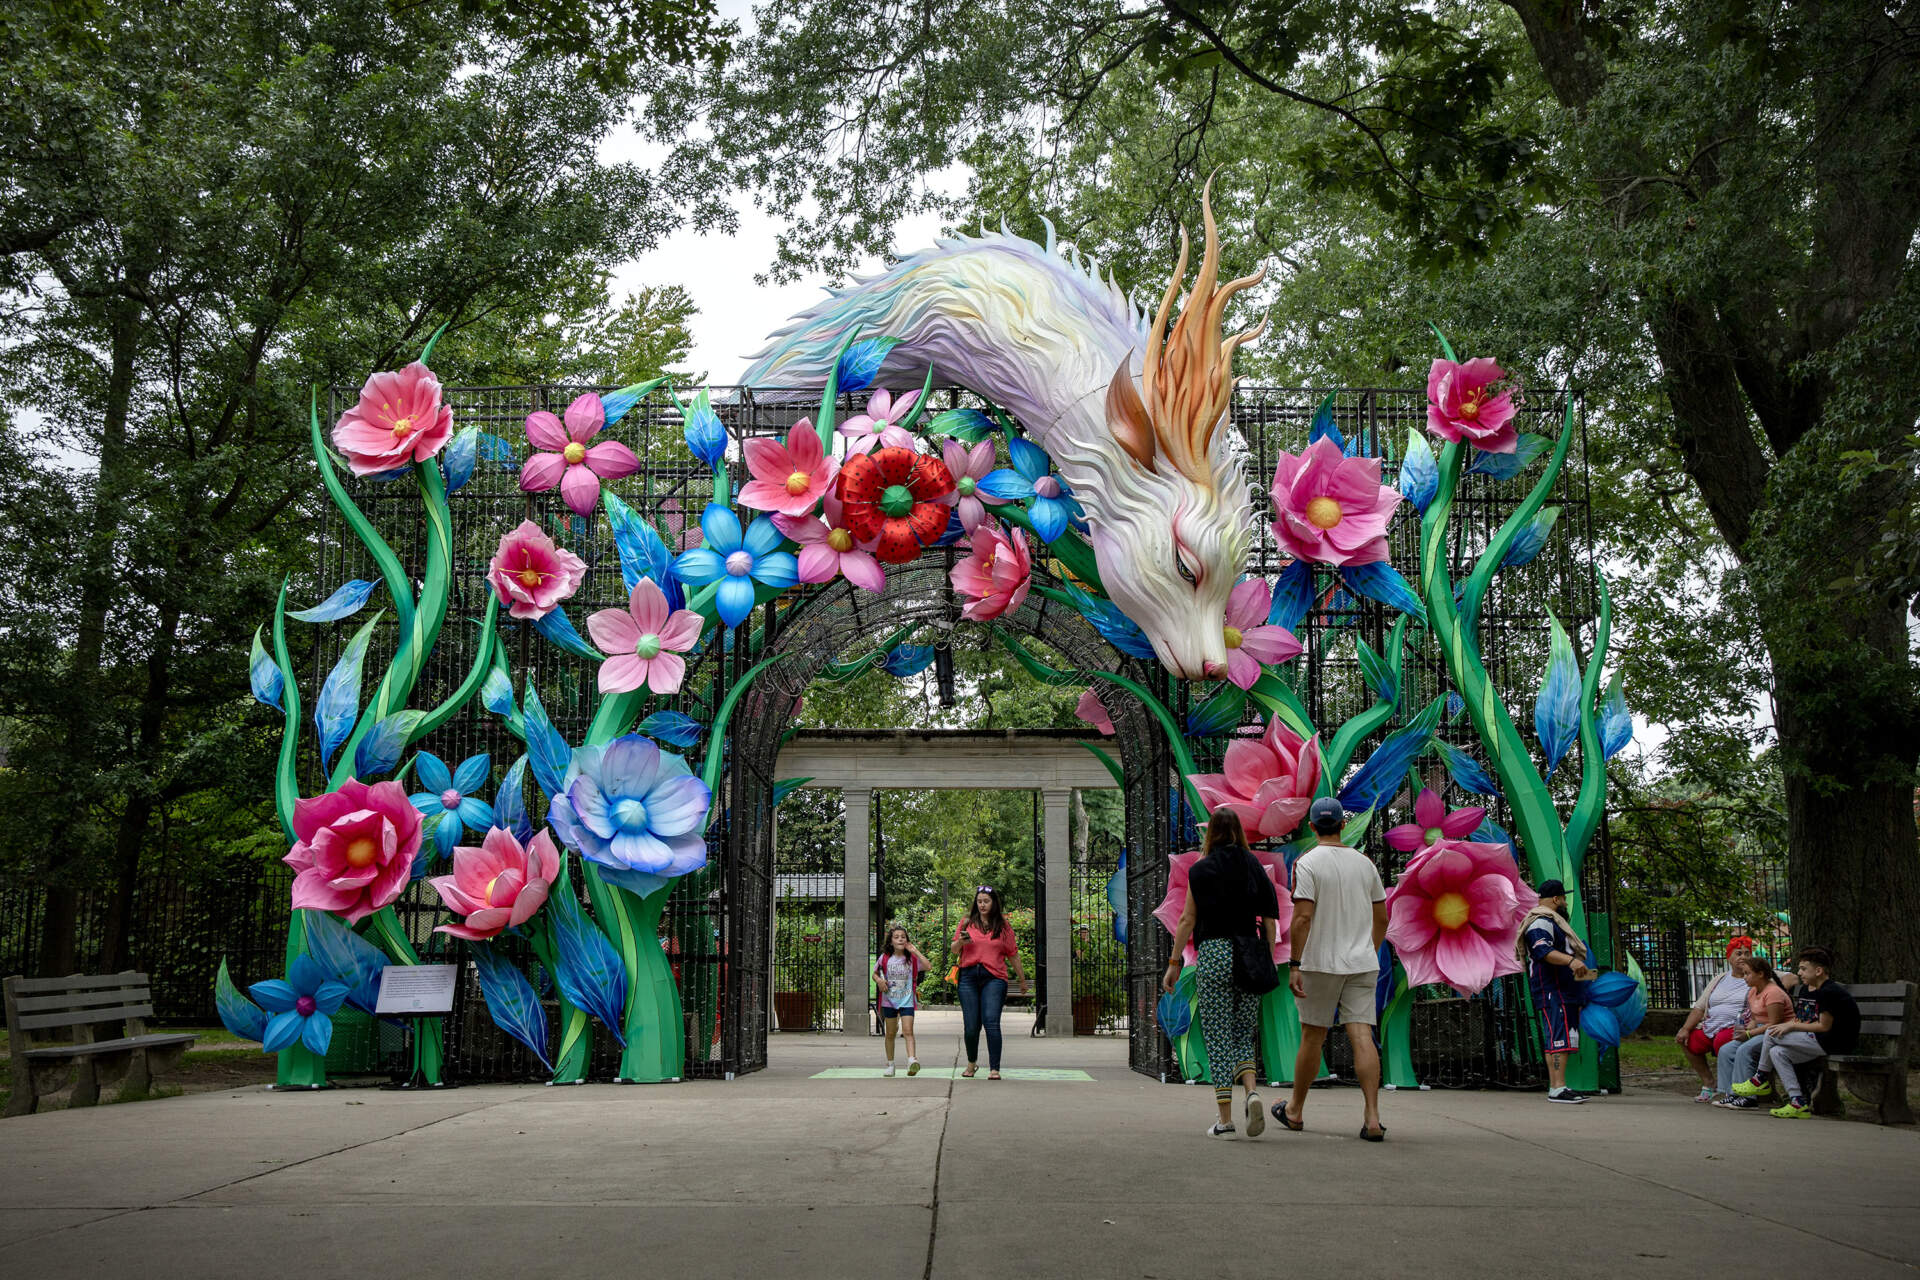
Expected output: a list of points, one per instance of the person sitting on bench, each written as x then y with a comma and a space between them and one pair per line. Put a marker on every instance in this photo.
1826, 1021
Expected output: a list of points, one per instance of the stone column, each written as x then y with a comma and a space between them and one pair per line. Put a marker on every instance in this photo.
857, 885
1059, 870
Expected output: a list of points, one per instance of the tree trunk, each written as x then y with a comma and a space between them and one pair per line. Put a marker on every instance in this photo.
58, 927
131, 836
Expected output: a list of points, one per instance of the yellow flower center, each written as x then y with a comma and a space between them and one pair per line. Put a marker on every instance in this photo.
840, 540
797, 483
361, 852
488, 895
1233, 637
530, 577
1470, 407
575, 452
1323, 513
1450, 910
402, 425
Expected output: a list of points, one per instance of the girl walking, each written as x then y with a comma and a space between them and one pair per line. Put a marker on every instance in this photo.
898, 974
1228, 896
986, 946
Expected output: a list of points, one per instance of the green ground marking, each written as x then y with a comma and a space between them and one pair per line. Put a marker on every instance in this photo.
1068, 1074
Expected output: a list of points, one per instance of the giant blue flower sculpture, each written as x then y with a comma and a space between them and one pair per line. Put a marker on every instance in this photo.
636, 811
300, 1007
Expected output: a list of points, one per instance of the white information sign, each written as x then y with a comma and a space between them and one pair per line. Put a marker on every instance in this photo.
416, 988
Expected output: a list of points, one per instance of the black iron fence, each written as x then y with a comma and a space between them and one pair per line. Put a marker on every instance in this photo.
1098, 880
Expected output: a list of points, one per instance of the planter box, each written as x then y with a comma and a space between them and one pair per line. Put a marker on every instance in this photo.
795, 1010
1086, 1015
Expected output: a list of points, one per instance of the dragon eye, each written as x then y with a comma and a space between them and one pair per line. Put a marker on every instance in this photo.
1186, 564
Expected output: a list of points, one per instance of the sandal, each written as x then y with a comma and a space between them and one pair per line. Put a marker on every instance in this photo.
968, 1073
1381, 1136
994, 1074
1286, 1122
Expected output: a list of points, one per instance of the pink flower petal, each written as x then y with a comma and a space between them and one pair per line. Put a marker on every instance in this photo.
541, 472
614, 631
863, 571
681, 629
581, 490
622, 674
585, 416
648, 605
666, 672
545, 432
610, 460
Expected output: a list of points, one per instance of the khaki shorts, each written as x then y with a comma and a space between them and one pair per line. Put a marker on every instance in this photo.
1351, 992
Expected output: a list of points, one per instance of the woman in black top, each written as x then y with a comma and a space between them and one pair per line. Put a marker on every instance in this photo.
1228, 897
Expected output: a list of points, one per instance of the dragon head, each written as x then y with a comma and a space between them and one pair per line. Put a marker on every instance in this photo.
1174, 520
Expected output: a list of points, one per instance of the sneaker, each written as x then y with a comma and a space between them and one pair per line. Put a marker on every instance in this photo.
1564, 1094
1705, 1095
1256, 1116
913, 1066
1793, 1110
1742, 1104
1723, 1100
1220, 1131
1748, 1089
888, 1071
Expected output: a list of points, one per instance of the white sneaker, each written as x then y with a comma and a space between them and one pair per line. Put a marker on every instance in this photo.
913, 1066
888, 1071
1564, 1094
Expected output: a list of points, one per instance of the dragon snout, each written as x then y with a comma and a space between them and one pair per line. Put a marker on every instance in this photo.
1215, 670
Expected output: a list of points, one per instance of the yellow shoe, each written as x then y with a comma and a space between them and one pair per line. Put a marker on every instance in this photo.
1791, 1112
1748, 1089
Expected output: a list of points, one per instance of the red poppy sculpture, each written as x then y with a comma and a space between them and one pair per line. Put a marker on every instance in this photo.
897, 496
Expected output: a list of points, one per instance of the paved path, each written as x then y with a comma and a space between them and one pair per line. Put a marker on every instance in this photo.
779, 1175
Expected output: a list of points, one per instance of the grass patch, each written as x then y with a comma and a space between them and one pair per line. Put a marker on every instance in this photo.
1651, 1053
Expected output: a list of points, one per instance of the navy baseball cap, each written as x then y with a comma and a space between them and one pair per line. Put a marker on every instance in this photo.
1326, 816
1550, 889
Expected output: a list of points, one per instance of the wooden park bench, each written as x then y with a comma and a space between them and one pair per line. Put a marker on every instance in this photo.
77, 1004
1877, 1079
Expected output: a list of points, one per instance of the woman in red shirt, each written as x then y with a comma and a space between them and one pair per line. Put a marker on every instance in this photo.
986, 945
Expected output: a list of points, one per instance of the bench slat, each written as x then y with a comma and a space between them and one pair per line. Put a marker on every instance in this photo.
84, 1000
78, 982
1868, 1008
42, 1021
109, 1046
1879, 990
1880, 1027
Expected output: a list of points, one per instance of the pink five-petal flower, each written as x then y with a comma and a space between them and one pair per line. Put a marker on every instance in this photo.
531, 573
1432, 823
826, 552
878, 426
995, 577
1251, 640
353, 848
1332, 509
1268, 781
643, 642
499, 885
788, 478
1460, 408
1094, 712
399, 419
568, 460
1179, 880
1455, 914
969, 466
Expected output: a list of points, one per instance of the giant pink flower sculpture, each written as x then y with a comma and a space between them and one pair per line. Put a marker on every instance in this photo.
1459, 406
1332, 509
788, 478
1269, 781
499, 885
1455, 914
399, 419
879, 425
643, 642
354, 848
568, 460
1179, 879
1251, 640
996, 576
531, 573
968, 467
828, 547
1432, 823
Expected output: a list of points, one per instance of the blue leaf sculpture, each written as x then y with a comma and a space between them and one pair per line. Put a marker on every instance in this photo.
1491, 832
237, 1013
1115, 627
1117, 899
456, 462
860, 363
643, 553
548, 750
263, 673
511, 1000
1377, 674
1292, 596
1323, 427
338, 705
615, 404
1465, 770
1217, 714
905, 660
379, 752
969, 426
510, 802
559, 630
496, 450
1505, 466
1374, 782
1616, 725
589, 970
1381, 581
496, 693
672, 728
1456, 707
1419, 472
347, 958
705, 435
786, 787
1530, 541
344, 603
1556, 713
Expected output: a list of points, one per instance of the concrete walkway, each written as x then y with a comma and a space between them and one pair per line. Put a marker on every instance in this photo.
780, 1175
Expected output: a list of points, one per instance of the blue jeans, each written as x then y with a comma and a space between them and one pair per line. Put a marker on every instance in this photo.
981, 997
1738, 1060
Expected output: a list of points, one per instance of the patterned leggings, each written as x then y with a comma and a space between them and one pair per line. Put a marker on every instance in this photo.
1229, 1017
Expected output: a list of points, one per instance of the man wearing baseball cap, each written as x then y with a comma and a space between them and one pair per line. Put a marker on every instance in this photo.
1556, 966
1339, 921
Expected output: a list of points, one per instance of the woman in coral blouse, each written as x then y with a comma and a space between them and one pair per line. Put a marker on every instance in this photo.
985, 945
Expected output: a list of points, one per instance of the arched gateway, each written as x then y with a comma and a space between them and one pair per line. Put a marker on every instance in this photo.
633, 590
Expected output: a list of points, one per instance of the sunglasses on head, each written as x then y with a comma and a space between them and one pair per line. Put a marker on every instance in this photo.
984, 888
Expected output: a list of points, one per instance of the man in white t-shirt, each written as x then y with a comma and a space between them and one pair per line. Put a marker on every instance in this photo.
1339, 921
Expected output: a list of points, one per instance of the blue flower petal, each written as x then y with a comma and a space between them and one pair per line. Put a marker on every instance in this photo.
777, 569
274, 995
1029, 459
306, 974
446, 835
700, 566
330, 996
720, 529
734, 600
472, 774
317, 1034
433, 772
475, 813
1008, 486
283, 1031
1049, 518
762, 537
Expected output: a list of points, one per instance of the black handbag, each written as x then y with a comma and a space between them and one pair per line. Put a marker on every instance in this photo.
1253, 967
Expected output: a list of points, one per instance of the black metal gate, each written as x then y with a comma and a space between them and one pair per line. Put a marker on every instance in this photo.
1099, 928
